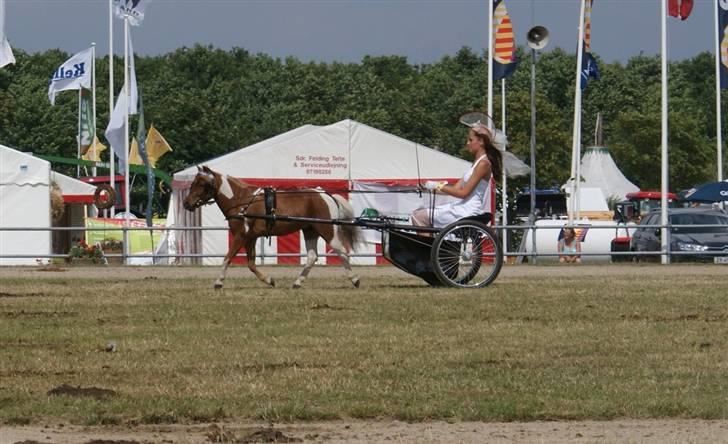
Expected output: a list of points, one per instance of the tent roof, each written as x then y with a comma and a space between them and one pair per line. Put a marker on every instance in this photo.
598, 170
18, 168
346, 150
73, 190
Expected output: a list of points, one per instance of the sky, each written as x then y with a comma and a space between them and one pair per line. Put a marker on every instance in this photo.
346, 30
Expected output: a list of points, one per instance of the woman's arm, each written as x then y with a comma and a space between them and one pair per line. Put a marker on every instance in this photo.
463, 190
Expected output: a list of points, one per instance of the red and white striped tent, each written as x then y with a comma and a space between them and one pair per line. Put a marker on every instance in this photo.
346, 155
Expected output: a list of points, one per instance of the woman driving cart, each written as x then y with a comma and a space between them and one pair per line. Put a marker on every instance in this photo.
473, 189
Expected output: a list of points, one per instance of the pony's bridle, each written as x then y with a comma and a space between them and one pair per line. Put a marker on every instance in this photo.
209, 196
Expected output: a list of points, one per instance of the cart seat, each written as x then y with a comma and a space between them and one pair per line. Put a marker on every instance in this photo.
483, 217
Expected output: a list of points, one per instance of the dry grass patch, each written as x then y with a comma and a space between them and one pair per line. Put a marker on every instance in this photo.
544, 343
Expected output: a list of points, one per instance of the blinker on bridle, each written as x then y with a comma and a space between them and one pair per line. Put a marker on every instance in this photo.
209, 187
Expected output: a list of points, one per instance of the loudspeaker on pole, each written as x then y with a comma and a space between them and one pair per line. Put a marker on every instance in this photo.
538, 37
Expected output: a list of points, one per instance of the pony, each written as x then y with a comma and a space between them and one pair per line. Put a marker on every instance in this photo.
240, 202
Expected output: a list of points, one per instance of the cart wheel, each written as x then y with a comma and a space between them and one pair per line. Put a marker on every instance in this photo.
104, 197
466, 254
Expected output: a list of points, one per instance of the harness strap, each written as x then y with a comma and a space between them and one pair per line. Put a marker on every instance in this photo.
270, 207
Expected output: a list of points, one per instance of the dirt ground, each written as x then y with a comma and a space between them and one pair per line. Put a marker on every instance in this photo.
380, 430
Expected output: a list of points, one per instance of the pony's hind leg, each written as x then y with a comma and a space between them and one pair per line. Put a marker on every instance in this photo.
311, 239
353, 277
250, 251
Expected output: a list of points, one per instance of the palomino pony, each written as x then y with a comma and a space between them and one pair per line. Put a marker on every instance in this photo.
236, 200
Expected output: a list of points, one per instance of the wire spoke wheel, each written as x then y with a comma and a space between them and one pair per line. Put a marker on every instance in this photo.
466, 254
104, 197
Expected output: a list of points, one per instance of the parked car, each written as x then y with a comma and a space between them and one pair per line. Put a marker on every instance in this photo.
690, 240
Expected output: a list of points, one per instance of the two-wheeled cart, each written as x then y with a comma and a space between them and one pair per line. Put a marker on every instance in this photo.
466, 254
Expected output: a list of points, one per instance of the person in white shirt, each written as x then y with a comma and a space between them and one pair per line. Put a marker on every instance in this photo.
473, 188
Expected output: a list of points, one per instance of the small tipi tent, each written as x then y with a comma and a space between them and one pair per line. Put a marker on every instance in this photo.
599, 171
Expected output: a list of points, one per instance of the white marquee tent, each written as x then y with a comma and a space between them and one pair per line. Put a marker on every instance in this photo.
24, 202
346, 155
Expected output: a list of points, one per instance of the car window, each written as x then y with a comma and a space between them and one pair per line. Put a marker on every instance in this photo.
697, 220
646, 206
680, 219
649, 220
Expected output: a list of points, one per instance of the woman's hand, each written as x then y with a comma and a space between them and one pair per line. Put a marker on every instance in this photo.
434, 186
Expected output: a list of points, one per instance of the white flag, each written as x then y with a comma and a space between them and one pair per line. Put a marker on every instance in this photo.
73, 74
6, 53
133, 92
115, 130
134, 9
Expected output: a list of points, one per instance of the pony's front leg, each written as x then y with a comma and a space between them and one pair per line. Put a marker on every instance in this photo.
250, 250
311, 258
234, 248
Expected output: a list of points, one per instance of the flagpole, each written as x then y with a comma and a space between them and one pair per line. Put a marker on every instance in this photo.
112, 172
491, 123
490, 64
718, 107
78, 137
665, 242
504, 195
576, 136
127, 95
93, 105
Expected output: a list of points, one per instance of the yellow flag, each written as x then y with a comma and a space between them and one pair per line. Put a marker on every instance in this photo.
156, 145
94, 152
134, 157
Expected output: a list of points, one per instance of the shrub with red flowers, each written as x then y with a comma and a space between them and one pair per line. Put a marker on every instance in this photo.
83, 250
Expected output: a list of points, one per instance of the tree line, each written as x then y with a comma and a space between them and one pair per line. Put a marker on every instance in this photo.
208, 102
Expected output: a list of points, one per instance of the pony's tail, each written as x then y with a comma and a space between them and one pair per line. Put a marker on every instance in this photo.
351, 234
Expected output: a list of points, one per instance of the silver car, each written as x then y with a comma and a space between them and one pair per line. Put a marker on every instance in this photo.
696, 234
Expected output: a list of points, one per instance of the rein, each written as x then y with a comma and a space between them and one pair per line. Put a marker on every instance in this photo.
258, 192
200, 203
348, 191
215, 191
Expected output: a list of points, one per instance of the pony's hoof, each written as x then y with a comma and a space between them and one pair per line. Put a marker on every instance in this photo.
296, 286
271, 282
356, 283
217, 286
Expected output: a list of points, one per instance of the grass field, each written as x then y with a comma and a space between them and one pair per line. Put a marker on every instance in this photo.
546, 342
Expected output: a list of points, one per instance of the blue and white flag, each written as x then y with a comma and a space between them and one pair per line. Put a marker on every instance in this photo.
115, 131
73, 74
6, 53
134, 9
589, 67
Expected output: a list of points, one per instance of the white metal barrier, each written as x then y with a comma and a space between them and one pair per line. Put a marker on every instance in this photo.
510, 230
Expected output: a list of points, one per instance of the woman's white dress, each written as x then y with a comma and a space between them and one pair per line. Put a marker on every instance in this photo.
478, 202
